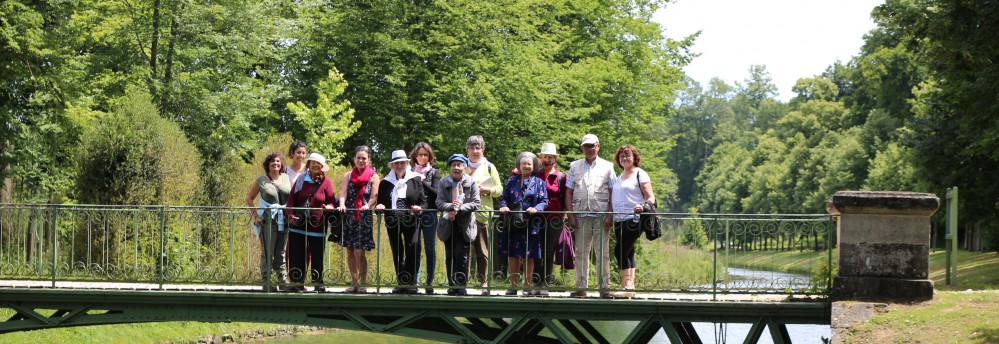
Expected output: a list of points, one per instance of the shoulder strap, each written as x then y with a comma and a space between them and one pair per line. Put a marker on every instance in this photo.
639, 181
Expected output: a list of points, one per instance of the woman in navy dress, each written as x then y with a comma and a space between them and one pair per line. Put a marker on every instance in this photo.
527, 192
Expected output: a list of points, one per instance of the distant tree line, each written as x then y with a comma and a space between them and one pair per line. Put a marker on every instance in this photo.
915, 110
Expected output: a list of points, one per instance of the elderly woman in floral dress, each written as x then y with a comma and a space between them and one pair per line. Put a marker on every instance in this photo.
528, 192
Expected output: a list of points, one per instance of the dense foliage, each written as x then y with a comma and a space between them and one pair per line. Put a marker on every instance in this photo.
337, 74
915, 109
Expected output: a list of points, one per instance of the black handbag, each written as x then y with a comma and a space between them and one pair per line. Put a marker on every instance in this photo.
648, 221
513, 220
334, 222
302, 214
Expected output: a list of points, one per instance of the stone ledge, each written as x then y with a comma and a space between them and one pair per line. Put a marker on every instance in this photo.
883, 202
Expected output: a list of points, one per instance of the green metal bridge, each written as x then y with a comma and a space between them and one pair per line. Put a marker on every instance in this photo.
72, 265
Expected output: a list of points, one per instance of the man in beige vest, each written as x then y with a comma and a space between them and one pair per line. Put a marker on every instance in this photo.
588, 190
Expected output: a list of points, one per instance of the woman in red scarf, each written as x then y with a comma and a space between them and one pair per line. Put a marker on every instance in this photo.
358, 193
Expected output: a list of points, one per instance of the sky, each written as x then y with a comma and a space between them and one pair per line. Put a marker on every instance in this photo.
792, 38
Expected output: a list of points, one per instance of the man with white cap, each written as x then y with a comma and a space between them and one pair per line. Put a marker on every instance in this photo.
588, 192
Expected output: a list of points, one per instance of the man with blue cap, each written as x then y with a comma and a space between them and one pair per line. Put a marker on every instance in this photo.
457, 200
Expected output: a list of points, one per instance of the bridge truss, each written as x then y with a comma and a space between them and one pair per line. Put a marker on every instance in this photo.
462, 319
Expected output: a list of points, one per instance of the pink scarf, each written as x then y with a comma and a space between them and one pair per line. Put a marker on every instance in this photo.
360, 180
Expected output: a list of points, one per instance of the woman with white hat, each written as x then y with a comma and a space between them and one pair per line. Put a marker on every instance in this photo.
359, 192
554, 218
402, 199
307, 239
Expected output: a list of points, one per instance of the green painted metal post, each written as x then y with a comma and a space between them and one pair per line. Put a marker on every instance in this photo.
55, 243
950, 240
714, 269
159, 270
377, 223
830, 238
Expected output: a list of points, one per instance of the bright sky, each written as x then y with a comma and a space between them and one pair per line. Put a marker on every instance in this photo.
792, 38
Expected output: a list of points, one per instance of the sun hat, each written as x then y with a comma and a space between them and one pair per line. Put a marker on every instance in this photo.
320, 159
398, 156
590, 139
548, 148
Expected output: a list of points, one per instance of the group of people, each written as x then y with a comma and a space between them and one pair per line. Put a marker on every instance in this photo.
421, 203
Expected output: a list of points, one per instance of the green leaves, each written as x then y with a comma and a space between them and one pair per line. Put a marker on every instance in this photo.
327, 125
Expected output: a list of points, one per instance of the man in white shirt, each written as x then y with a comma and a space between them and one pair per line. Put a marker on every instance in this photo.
588, 190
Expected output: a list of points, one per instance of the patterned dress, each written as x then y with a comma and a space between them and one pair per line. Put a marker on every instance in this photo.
524, 243
358, 234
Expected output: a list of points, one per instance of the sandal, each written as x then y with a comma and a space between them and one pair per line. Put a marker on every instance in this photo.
350, 290
362, 290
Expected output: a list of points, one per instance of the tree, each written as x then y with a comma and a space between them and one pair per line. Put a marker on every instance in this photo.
134, 157
956, 105
330, 122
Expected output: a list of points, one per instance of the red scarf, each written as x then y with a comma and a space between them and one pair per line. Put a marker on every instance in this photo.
360, 180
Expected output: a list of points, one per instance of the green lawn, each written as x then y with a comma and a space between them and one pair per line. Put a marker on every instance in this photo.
164, 332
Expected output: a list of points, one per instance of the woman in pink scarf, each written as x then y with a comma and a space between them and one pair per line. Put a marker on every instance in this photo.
358, 194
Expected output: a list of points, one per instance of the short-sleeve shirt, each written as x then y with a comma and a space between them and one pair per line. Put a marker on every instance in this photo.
627, 194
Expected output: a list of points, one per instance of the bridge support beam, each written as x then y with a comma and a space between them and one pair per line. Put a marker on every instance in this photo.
884, 245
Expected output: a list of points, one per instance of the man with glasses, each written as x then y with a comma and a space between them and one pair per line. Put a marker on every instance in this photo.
587, 193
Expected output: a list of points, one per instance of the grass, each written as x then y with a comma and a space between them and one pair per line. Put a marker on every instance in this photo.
975, 270
965, 313
165, 332
800, 262
951, 317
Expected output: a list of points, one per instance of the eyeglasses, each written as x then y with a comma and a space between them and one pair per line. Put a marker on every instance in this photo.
589, 147
423, 155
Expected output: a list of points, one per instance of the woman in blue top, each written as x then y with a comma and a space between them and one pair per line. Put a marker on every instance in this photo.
528, 192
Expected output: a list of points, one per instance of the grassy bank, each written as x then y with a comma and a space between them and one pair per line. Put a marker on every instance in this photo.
951, 317
164, 332
964, 313
799, 262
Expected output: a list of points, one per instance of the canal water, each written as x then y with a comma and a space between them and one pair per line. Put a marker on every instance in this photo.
708, 332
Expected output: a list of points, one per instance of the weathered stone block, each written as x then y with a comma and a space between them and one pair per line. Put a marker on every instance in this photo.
881, 289
884, 260
884, 242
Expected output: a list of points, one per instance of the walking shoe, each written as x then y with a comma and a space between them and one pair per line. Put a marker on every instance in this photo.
541, 292
579, 293
295, 289
606, 295
511, 292
430, 291
398, 291
411, 291
320, 289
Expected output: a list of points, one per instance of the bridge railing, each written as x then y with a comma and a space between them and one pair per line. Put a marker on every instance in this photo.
698, 253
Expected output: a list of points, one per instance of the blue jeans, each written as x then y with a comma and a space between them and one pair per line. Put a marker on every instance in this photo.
428, 229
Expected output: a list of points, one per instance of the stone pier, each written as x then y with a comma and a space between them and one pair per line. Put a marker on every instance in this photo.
884, 245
